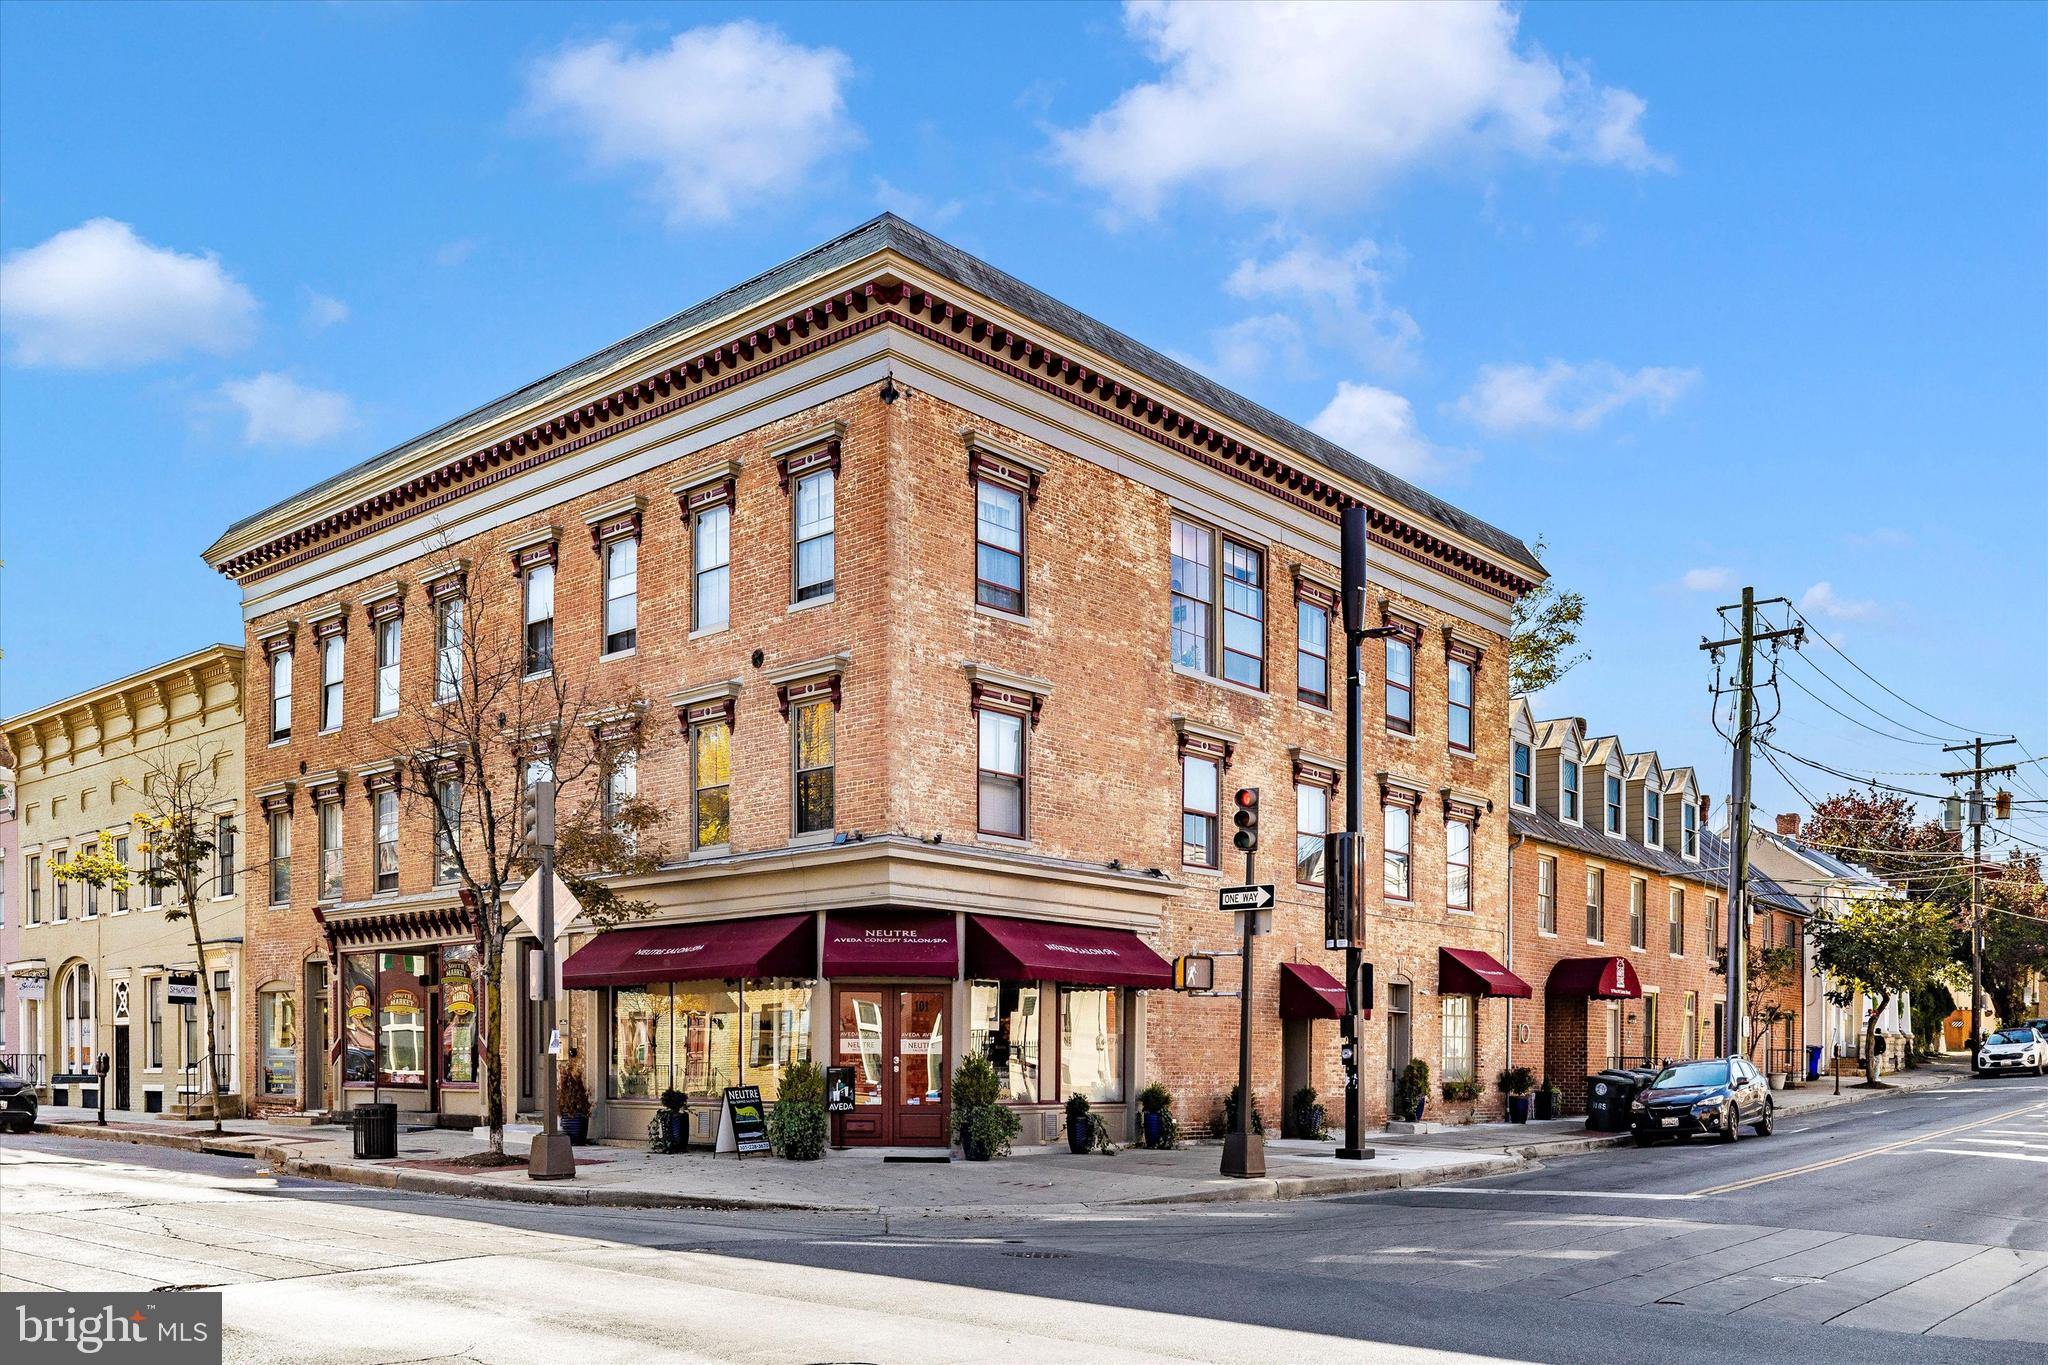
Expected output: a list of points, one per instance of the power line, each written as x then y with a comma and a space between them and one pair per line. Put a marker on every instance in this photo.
1822, 636
1897, 739
1927, 737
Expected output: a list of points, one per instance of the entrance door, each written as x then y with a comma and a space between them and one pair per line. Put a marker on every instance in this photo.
313, 1070
121, 1066
1397, 1037
894, 1038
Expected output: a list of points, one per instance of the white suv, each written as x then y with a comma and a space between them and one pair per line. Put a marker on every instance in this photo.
2014, 1049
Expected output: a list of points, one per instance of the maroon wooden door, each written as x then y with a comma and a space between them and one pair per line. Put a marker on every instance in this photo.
894, 1039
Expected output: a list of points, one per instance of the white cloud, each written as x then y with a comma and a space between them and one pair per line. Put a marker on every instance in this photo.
323, 311
1821, 600
1250, 346
1560, 396
1707, 580
1343, 294
921, 209
1879, 538
277, 410
1379, 425
451, 254
724, 116
98, 296
1282, 105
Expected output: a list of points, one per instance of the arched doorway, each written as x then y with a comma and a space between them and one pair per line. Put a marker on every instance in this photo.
76, 1021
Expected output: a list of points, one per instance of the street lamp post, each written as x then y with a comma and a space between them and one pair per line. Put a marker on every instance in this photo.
549, 1156
1352, 600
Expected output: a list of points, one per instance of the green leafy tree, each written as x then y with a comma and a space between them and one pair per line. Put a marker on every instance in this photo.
1546, 626
1882, 832
1880, 947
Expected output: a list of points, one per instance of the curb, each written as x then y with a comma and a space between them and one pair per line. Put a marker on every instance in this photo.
1325, 1186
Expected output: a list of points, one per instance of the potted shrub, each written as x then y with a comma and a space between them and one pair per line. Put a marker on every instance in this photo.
1547, 1101
669, 1129
1080, 1125
1460, 1092
798, 1126
1514, 1082
1306, 1115
1411, 1092
1155, 1105
572, 1102
981, 1123
1230, 1114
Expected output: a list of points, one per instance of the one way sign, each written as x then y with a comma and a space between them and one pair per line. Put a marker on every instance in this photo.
1246, 897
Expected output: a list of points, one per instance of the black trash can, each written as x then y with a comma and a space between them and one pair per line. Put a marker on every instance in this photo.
1608, 1094
376, 1132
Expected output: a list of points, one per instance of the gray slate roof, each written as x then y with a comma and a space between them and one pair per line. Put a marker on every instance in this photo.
1548, 829
890, 232
1762, 890
1827, 862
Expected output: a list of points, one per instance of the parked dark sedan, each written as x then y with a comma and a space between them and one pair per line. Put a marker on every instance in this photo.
17, 1101
1714, 1096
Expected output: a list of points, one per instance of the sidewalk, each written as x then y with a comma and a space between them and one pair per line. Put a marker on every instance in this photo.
864, 1181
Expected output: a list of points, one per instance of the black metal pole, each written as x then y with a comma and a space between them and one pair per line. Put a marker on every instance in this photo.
1352, 604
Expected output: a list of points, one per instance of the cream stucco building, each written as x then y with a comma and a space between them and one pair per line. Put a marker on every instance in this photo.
90, 971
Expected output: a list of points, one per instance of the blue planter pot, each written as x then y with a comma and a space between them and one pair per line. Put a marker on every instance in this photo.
1155, 1129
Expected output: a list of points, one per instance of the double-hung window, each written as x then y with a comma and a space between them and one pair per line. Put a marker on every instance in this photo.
153, 1022
1678, 921
1613, 804
1001, 773
1569, 783
447, 829
1653, 816
621, 788
330, 682
1689, 823
280, 857
621, 594
1208, 567
1713, 925
1400, 685
1311, 653
1638, 912
1399, 824
121, 884
1457, 1030
1201, 798
711, 577
1523, 775
92, 893
814, 722
1546, 895
280, 696
998, 546
224, 855
1458, 704
387, 666
386, 800
330, 850
540, 619
35, 889
711, 783
1596, 905
447, 649
1311, 828
1458, 865
814, 534
63, 894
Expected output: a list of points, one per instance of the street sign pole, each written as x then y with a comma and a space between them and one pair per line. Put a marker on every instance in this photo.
549, 1156
1244, 1151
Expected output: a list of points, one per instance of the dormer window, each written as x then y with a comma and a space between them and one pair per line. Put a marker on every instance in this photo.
1653, 817
1569, 782
1524, 762
1613, 804
1691, 824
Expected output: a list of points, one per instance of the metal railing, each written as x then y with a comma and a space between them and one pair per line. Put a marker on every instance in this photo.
1779, 1060
1631, 1061
193, 1069
32, 1067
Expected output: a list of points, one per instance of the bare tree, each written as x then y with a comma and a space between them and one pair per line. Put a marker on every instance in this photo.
495, 718
177, 832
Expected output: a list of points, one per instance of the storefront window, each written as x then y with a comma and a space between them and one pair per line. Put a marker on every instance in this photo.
278, 1018
401, 1018
702, 1036
1091, 1042
1457, 1023
458, 1015
359, 1018
1003, 1019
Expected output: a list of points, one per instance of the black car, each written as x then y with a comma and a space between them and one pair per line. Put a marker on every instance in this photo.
1716, 1096
17, 1102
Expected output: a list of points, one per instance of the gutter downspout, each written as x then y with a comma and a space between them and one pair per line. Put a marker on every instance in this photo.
1515, 841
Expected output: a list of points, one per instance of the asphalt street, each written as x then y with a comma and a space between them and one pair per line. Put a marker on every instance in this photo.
1910, 1228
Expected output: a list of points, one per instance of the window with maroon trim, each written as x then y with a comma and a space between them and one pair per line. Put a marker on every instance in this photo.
1201, 800
1398, 823
1458, 706
1001, 797
1311, 652
1311, 827
1596, 905
1458, 865
1400, 685
998, 546
1546, 895
280, 696
1209, 569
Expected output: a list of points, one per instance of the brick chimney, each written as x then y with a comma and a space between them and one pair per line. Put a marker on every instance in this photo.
1788, 825
1705, 802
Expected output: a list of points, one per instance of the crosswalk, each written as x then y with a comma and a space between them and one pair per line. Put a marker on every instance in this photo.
2020, 1137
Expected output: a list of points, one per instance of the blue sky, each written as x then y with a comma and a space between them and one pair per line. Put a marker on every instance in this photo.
1702, 295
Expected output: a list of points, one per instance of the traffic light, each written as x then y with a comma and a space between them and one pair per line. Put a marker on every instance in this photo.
1338, 882
1194, 972
537, 815
1247, 820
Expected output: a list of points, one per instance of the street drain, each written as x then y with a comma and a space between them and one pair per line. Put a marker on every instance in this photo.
1038, 1255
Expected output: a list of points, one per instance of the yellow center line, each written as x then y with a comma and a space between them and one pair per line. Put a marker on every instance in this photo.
1754, 1180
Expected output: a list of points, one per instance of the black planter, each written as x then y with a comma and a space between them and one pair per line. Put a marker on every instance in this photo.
1546, 1104
972, 1148
577, 1126
1412, 1109
1518, 1109
1155, 1128
1080, 1134
675, 1130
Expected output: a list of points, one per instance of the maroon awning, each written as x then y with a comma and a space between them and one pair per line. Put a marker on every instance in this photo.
1603, 978
1309, 992
886, 944
777, 945
1467, 971
1035, 950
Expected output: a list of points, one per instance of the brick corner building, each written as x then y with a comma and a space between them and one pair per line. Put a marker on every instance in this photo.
950, 619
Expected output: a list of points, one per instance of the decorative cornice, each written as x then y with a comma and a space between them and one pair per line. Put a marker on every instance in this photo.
800, 455
384, 603
990, 459
1206, 741
706, 703
617, 520
997, 689
275, 797
921, 313
705, 489
1314, 591
809, 680
1396, 790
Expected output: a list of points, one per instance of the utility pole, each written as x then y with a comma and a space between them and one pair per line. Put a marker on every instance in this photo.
1352, 604
1976, 773
1738, 807
549, 1156
1244, 1151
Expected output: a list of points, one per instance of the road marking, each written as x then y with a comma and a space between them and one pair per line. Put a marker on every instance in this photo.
1734, 1185
1966, 1151
1556, 1194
